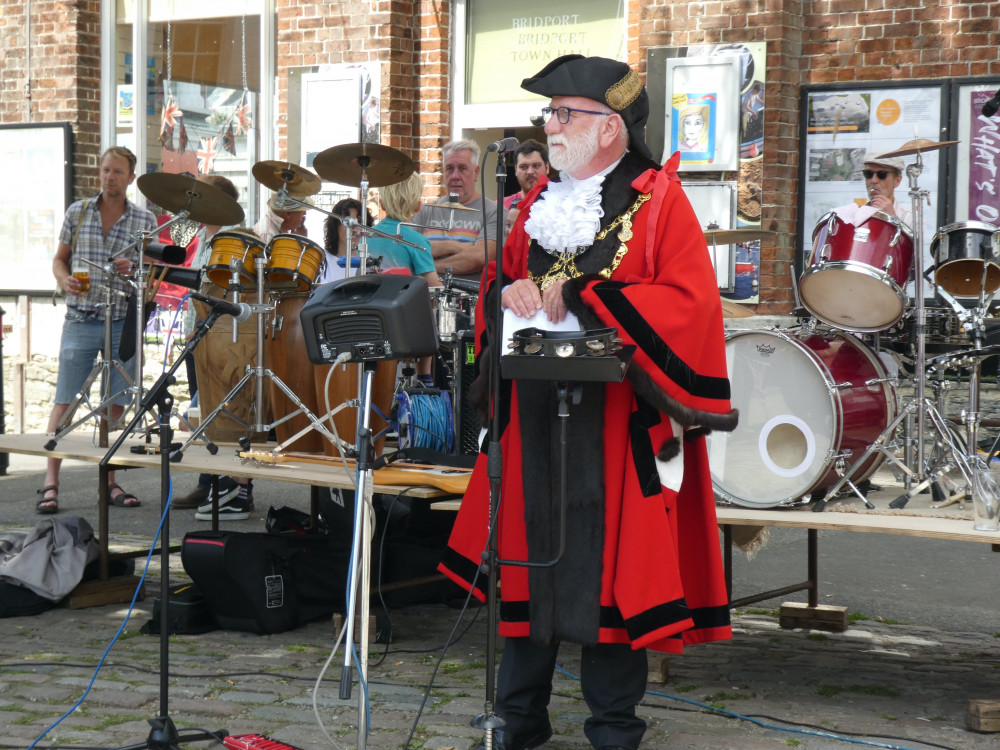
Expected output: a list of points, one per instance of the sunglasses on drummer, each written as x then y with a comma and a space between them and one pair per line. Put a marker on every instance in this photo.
881, 173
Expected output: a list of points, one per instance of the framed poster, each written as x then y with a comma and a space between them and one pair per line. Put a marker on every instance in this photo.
702, 112
32, 210
977, 179
714, 204
841, 124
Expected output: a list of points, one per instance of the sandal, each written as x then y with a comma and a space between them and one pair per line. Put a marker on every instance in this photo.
48, 505
123, 499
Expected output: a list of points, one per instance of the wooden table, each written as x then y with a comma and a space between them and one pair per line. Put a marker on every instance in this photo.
80, 447
813, 615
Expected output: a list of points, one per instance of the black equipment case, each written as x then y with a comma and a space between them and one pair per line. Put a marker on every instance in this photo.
267, 583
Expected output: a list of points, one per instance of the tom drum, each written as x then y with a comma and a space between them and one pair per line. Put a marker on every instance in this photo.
857, 275
967, 255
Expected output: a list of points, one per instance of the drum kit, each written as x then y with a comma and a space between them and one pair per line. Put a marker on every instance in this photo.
819, 407
272, 281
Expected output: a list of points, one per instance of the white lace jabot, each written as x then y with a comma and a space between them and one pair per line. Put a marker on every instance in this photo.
567, 214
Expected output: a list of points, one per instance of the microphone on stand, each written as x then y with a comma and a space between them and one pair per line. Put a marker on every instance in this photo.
239, 310
503, 146
991, 107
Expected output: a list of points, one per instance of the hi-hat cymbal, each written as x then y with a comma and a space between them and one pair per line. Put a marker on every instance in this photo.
347, 164
918, 145
297, 180
735, 236
733, 310
203, 202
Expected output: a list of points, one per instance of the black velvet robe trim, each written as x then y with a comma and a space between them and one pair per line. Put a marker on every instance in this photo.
658, 617
658, 350
611, 617
643, 455
641, 382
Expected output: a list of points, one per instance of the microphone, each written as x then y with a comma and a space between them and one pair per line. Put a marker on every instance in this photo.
464, 285
503, 146
991, 107
239, 310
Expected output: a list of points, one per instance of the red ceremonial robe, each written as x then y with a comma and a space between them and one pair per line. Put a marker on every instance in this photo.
657, 577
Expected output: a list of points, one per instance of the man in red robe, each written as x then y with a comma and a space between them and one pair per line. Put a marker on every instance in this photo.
616, 243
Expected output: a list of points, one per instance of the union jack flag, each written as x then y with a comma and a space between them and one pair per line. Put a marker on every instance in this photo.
166, 138
229, 140
242, 115
182, 138
169, 115
206, 155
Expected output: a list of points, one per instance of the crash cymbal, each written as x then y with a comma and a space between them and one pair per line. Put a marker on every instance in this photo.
735, 236
734, 310
918, 145
203, 202
297, 180
347, 164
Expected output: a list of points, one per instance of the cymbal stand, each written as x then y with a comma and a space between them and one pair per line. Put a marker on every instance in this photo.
256, 375
924, 410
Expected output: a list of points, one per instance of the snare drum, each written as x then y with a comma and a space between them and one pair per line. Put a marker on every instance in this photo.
806, 401
967, 255
241, 247
454, 311
857, 275
294, 263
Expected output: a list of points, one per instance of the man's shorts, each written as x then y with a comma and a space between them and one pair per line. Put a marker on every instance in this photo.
82, 343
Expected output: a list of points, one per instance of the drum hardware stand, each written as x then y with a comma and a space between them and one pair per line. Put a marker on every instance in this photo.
257, 374
163, 734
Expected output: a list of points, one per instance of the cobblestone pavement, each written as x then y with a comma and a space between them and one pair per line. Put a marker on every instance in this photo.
883, 682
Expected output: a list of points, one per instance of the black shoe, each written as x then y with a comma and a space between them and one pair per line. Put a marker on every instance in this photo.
236, 507
503, 740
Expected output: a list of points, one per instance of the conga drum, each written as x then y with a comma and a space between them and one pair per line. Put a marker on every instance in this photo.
287, 359
341, 385
220, 364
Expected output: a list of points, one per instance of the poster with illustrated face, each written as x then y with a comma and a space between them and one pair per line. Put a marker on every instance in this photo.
693, 127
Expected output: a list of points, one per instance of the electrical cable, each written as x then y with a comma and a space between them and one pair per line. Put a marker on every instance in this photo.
121, 628
752, 720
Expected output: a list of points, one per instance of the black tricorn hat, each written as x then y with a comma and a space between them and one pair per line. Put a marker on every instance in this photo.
608, 81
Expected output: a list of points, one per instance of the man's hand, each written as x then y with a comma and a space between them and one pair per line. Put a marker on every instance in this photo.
522, 298
553, 303
882, 204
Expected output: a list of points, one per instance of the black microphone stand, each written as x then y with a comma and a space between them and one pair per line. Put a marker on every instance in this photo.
488, 720
163, 735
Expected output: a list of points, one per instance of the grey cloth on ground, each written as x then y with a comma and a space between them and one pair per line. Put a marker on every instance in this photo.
49, 559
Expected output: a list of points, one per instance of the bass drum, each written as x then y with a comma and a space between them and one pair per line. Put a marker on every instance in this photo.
805, 400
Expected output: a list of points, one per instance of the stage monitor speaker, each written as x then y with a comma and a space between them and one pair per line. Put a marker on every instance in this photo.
372, 317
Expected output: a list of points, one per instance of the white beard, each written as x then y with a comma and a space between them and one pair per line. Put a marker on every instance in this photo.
576, 152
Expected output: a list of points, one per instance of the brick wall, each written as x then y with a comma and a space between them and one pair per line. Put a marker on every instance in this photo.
65, 69
818, 42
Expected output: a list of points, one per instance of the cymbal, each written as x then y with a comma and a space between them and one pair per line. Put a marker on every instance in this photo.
347, 164
735, 236
297, 180
203, 202
734, 310
917, 145
452, 206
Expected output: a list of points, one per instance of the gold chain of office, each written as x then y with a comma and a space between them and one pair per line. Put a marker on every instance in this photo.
565, 265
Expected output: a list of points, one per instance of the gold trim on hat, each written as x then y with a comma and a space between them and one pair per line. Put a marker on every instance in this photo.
623, 93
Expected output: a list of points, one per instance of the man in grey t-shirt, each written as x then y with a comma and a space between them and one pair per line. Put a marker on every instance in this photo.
459, 239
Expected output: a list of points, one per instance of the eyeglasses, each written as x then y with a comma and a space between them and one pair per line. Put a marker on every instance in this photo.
563, 113
882, 173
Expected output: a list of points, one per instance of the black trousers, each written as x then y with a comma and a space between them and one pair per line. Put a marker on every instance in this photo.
612, 677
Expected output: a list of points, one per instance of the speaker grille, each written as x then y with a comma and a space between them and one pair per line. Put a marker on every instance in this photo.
467, 425
351, 328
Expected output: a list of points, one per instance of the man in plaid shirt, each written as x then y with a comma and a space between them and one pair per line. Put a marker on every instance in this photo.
94, 230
